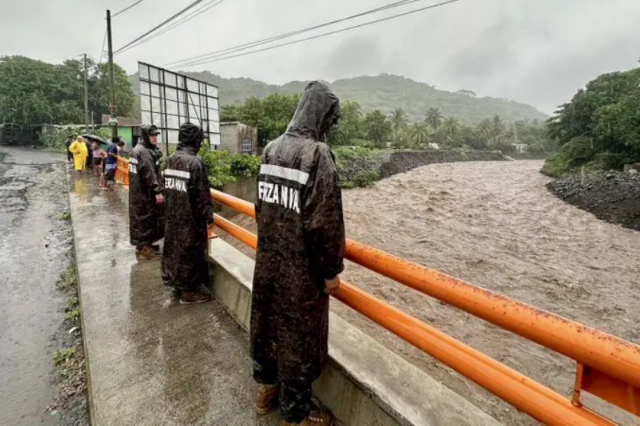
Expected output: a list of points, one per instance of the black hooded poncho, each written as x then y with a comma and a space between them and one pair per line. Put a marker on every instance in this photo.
188, 211
146, 221
301, 242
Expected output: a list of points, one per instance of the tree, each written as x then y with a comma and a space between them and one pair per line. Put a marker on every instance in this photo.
433, 118
419, 134
230, 113
35, 92
378, 129
270, 115
399, 120
349, 127
606, 116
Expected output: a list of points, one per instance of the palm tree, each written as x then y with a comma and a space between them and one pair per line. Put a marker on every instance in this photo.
450, 126
399, 120
419, 134
433, 118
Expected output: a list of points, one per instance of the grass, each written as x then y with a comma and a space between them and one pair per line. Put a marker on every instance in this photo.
68, 279
61, 357
73, 315
66, 216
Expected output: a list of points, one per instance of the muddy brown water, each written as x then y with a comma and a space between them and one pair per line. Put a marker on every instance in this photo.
34, 247
494, 224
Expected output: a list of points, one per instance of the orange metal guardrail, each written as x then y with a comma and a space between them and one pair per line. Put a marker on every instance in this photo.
608, 367
122, 171
524, 393
520, 391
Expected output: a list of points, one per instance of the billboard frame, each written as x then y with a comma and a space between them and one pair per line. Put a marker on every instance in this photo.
169, 99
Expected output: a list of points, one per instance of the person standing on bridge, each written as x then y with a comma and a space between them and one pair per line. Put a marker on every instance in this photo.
188, 213
146, 223
79, 150
301, 246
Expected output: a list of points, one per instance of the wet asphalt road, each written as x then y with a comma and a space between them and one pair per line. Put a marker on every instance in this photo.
34, 248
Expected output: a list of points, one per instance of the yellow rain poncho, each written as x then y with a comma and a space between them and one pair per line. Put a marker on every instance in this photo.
79, 150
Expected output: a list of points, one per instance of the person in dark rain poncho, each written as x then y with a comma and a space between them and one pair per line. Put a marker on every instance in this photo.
188, 212
301, 244
146, 222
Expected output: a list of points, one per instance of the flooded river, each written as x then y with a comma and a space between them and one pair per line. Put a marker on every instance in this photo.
34, 244
495, 225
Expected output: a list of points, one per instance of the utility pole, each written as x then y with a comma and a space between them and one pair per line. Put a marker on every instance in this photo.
112, 104
86, 96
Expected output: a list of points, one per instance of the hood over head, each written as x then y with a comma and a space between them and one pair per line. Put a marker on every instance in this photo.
317, 111
190, 135
148, 130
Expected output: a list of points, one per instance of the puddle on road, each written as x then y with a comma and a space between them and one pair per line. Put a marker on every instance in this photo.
34, 251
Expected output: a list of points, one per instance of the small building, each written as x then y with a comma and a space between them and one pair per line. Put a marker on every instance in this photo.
128, 129
238, 138
521, 148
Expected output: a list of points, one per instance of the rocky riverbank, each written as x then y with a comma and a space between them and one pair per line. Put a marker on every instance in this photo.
610, 196
359, 167
404, 161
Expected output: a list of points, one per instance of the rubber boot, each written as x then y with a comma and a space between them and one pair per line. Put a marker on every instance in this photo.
316, 418
146, 253
266, 399
194, 298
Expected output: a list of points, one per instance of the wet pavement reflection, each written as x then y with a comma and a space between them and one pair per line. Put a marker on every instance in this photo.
151, 360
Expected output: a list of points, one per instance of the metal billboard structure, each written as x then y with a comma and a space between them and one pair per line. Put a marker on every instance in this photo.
169, 99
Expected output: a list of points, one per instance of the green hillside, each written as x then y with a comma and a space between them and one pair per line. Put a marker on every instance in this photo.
384, 92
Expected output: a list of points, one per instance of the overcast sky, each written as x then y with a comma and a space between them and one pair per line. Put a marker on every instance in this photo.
534, 51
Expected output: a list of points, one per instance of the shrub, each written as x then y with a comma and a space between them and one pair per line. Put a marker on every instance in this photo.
574, 154
244, 165
366, 178
358, 166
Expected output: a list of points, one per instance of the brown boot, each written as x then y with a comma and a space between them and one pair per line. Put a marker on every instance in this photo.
193, 298
316, 418
146, 253
266, 399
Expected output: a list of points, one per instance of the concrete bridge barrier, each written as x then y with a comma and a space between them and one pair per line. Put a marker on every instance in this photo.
364, 383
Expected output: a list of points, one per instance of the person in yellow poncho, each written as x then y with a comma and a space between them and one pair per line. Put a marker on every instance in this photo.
79, 150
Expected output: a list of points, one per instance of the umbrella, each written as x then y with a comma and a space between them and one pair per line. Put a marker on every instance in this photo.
96, 138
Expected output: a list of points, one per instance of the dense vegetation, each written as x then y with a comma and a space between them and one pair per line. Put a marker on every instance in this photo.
600, 127
57, 138
383, 92
376, 130
36, 92
223, 167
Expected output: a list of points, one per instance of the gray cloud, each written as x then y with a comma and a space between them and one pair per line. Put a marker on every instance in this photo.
534, 51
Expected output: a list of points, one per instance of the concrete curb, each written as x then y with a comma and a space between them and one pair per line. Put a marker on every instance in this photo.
364, 382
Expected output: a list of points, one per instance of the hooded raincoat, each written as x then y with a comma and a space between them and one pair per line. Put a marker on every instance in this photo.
188, 211
80, 152
146, 221
301, 242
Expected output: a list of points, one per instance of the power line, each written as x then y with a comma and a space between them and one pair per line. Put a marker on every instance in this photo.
203, 8
104, 41
127, 8
286, 35
224, 57
191, 6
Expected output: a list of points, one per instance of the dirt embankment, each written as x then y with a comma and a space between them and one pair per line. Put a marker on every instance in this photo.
402, 162
610, 196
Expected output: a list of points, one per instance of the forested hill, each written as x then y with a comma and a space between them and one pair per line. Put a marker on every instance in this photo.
384, 92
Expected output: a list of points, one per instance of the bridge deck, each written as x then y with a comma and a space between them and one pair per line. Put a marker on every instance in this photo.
150, 360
